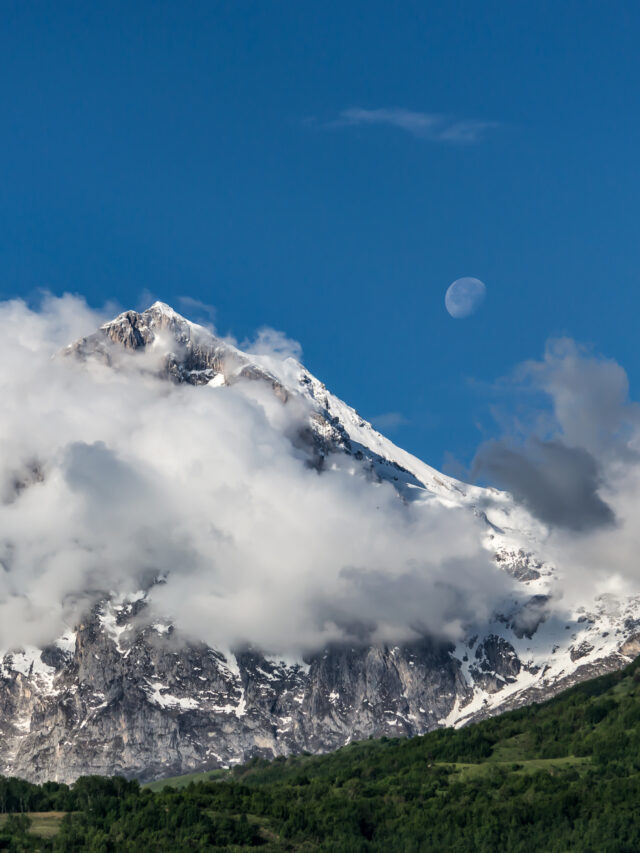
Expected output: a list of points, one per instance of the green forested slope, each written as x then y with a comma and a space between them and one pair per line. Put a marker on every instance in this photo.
561, 776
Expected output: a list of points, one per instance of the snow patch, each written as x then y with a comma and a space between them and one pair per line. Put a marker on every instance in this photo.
159, 696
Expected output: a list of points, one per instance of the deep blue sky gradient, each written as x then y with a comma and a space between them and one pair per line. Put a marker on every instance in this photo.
187, 149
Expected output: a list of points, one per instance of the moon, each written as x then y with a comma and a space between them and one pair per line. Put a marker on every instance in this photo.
464, 297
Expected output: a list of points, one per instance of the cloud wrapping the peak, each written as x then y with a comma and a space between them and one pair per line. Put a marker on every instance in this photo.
111, 479
274, 344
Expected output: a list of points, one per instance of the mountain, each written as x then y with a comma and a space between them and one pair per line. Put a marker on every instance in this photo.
119, 693
563, 775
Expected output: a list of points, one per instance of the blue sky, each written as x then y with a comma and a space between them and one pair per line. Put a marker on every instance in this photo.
329, 169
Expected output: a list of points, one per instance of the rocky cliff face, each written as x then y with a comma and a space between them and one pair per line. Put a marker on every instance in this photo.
120, 693
119, 697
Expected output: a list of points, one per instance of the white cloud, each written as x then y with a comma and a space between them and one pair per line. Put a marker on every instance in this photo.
574, 460
389, 420
199, 311
110, 478
271, 343
433, 126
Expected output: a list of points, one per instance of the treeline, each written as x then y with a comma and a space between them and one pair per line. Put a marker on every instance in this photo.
16, 795
113, 814
557, 777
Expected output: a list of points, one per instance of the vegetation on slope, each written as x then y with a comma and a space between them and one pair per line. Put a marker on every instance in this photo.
560, 776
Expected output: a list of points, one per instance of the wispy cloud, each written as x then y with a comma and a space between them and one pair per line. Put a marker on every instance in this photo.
432, 126
202, 311
389, 420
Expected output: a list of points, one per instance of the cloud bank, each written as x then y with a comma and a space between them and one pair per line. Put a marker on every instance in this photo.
573, 459
113, 480
557, 483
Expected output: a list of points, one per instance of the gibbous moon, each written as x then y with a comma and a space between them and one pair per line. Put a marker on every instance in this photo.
464, 297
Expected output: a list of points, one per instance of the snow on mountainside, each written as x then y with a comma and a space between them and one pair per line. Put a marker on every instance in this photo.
118, 694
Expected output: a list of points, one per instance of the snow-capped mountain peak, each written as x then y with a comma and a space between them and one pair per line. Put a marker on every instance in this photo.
194, 355
122, 691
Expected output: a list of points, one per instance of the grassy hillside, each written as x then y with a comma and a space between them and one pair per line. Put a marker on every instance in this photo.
561, 776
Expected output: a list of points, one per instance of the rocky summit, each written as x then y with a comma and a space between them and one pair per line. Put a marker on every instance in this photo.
122, 693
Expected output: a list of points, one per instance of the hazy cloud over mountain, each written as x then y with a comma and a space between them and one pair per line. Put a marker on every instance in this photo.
111, 478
